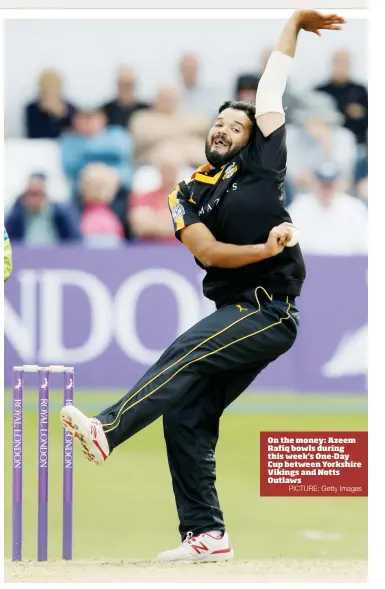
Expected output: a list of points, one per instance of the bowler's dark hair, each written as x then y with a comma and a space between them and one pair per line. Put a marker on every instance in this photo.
247, 107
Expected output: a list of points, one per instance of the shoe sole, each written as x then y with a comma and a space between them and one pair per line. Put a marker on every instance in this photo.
76, 424
205, 559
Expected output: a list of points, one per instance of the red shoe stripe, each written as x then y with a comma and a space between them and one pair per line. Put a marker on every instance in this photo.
96, 443
200, 547
69, 423
222, 551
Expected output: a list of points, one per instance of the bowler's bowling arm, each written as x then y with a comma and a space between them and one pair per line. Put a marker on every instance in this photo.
269, 111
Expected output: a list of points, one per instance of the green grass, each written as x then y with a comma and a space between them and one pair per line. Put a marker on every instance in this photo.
125, 509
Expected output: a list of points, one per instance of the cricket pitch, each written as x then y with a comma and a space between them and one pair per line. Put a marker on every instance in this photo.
265, 571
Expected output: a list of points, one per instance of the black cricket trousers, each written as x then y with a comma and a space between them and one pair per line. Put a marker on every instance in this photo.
192, 383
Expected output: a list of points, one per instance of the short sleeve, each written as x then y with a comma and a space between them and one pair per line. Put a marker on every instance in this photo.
269, 152
183, 209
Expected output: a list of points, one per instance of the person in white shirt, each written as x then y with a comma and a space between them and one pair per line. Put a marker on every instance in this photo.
316, 137
330, 222
196, 96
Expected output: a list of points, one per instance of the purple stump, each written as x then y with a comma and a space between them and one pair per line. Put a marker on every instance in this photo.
42, 516
68, 461
17, 462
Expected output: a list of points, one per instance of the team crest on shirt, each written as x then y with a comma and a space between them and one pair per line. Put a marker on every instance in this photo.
177, 211
230, 170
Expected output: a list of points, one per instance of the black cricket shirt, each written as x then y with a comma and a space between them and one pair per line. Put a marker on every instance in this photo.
240, 203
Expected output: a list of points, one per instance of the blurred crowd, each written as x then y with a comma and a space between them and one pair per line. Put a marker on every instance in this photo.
120, 160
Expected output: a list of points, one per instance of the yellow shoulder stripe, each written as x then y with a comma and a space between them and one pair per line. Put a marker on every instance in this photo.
208, 179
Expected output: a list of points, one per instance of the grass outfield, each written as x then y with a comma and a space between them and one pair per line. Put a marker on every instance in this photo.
125, 509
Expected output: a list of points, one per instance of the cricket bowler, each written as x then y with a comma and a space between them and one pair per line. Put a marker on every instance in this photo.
231, 216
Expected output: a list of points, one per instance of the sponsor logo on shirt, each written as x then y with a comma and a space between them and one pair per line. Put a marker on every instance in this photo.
177, 211
230, 170
209, 207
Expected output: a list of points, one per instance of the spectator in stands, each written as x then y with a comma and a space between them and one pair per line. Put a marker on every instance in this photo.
100, 226
351, 97
330, 222
51, 114
289, 192
92, 141
164, 124
246, 85
361, 179
37, 221
196, 97
147, 178
318, 138
126, 103
149, 215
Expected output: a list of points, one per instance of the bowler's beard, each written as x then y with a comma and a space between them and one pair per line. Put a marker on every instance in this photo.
217, 159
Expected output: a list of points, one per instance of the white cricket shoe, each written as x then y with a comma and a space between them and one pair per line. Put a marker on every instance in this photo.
89, 432
205, 547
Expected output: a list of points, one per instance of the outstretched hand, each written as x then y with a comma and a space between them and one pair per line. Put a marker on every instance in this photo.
313, 21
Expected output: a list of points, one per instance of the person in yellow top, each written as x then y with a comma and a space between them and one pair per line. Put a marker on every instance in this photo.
7, 256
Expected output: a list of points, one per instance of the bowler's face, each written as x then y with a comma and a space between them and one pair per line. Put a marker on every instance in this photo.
228, 136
